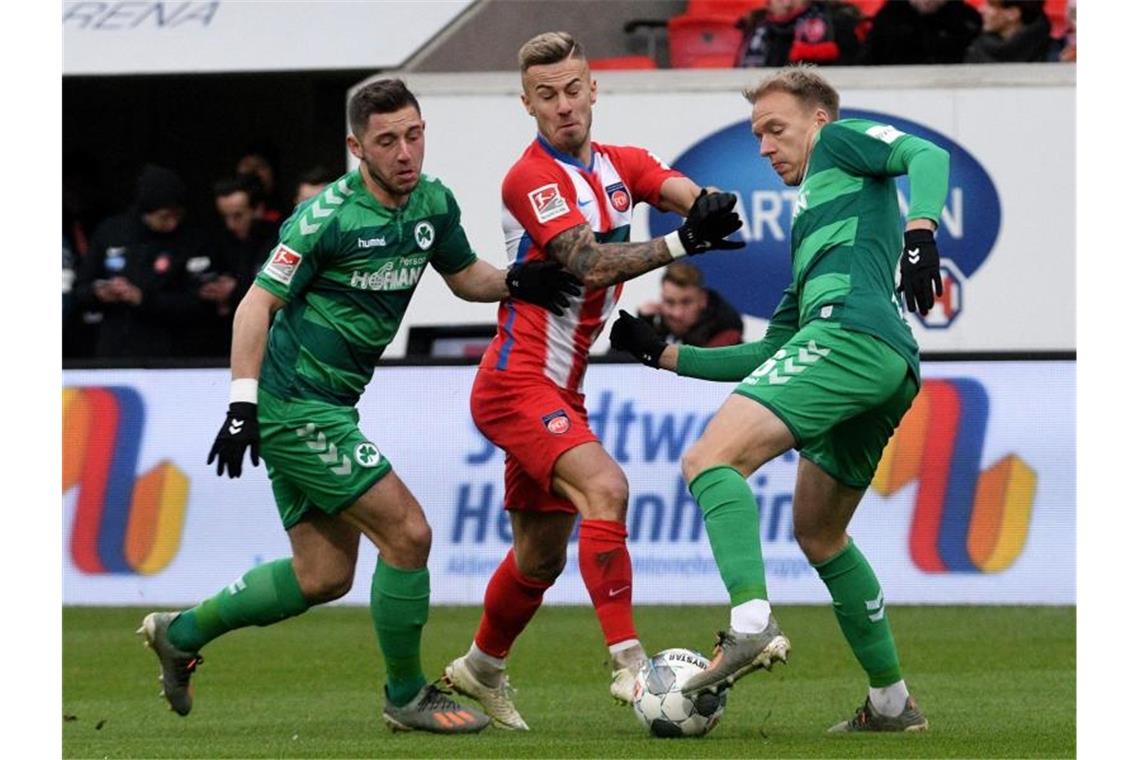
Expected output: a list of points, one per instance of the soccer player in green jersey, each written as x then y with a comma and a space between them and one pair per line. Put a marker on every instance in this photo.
833, 376
306, 339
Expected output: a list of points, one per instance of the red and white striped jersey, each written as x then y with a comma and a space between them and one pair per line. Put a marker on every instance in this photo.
546, 193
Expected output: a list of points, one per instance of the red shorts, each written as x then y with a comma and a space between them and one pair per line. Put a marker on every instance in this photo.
534, 422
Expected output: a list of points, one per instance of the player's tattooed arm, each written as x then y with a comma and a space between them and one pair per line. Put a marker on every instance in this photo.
599, 265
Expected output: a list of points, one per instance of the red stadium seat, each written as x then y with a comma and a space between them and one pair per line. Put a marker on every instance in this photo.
732, 8
703, 41
622, 62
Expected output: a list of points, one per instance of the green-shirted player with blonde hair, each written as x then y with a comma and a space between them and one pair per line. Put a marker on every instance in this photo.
833, 376
306, 339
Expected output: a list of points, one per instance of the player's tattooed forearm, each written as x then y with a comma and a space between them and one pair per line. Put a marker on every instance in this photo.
603, 264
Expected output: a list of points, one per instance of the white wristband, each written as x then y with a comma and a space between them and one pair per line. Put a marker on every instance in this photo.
674, 244
243, 389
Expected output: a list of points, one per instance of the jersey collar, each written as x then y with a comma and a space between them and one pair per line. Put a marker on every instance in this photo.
566, 158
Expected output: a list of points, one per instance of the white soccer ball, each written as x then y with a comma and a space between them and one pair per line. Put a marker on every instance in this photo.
659, 703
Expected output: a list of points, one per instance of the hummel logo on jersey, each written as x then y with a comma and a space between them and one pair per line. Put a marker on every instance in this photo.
236, 426
370, 242
547, 202
913, 256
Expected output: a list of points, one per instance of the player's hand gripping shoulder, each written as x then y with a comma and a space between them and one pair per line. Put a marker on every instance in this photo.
544, 283
637, 337
709, 223
239, 432
920, 274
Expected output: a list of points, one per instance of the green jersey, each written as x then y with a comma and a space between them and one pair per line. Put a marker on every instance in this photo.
347, 267
846, 235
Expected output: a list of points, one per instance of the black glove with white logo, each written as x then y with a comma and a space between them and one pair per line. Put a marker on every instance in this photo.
637, 337
544, 283
239, 432
711, 219
920, 274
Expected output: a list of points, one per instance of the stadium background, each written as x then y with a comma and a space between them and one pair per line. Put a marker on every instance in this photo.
979, 512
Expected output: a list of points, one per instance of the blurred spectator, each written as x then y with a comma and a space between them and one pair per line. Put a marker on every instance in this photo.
1064, 49
921, 32
261, 162
690, 313
83, 208
245, 243
312, 182
790, 31
139, 276
1012, 31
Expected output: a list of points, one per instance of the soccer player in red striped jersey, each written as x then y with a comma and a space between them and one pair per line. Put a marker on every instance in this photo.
569, 200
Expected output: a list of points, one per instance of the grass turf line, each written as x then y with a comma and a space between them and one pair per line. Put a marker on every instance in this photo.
994, 682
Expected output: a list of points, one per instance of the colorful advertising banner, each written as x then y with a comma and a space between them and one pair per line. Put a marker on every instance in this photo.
974, 501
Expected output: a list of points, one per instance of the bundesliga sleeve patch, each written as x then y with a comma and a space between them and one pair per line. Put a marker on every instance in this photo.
548, 203
282, 265
886, 133
557, 422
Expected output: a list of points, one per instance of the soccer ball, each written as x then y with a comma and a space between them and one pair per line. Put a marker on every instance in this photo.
659, 703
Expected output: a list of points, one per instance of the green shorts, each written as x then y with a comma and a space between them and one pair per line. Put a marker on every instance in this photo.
841, 393
316, 456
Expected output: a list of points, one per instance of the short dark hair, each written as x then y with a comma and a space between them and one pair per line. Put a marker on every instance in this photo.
1031, 10
242, 183
381, 96
317, 175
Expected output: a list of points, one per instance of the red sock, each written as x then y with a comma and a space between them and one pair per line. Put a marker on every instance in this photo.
510, 601
607, 571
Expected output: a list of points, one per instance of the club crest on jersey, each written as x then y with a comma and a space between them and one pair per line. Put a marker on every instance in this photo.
619, 196
282, 265
548, 202
424, 235
557, 422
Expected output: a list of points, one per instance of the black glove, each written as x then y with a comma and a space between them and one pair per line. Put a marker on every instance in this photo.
710, 221
544, 283
238, 433
920, 275
637, 337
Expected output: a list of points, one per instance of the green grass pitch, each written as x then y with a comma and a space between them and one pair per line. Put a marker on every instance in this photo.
994, 682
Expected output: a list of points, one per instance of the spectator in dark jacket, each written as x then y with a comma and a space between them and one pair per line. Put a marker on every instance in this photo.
140, 274
690, 313
1012, 31
921, 32
794, 31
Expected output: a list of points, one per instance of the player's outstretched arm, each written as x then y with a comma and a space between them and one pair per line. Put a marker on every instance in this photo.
597, 265
544, 283
240, 430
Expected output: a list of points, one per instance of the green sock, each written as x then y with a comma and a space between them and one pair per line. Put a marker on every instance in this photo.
733, 525
267, 594
399, 612
858, 603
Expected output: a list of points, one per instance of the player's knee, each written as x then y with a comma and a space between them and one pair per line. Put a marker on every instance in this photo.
327, 584
417, 537
608, 495
817, 545
693, 462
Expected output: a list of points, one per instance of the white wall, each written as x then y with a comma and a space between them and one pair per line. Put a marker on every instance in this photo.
1016, 121
180, 36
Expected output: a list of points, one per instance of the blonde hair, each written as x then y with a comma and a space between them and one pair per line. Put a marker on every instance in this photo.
804, 83
549, 47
